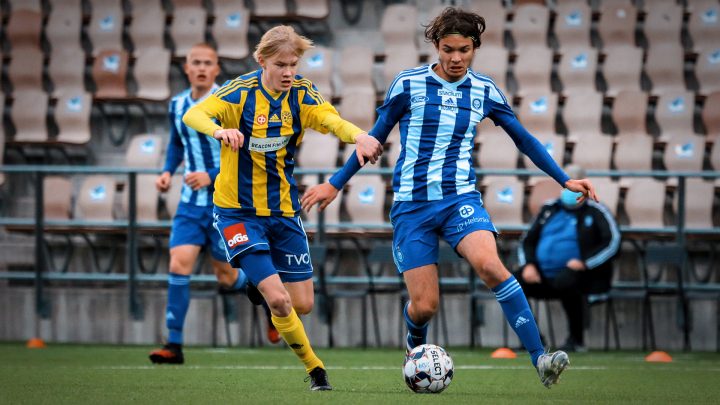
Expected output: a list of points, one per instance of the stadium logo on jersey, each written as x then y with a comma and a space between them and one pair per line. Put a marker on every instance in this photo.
274, 119
236, 234
268, 144
449, 93
466, 210
418, 99
286, 117
261, 119
477, 104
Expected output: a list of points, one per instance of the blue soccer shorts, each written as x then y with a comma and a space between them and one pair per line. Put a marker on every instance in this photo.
193, 225
418, 225
283, 237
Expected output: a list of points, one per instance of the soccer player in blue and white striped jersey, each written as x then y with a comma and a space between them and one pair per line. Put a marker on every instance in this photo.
438, 107
192, 227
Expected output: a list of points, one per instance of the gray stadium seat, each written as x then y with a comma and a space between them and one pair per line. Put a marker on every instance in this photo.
106, 25
96, 198
72, 115
230, 31
572, 25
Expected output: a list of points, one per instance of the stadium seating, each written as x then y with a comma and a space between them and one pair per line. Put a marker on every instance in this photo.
25, 71
187, 29
622, 69
67, 71
707, 71
495, 17
572, 25
663, 23
532, 70
358, 107
318, 65
582, 115
542, 191
59, 206
24, 29
230, 30
96, 198
331, 213
665, 67
308, 157
151, 72
270, 9
64, 26
616, 27
492, 61
577, 70
530, 26
684, 152
674, 114
144, 151
72, 115
699, 195
497, 151
538, 111
312, 8
109, 73
355, 71
608, 192
365, 202
106, 25
2, 139
633, 153
704, 24
629, 112
645, 203
711, 116
145, 31
28, 116
504, 198
593, 152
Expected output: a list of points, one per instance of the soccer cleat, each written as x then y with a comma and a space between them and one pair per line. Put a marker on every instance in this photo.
550, 366
319, 380
168, 354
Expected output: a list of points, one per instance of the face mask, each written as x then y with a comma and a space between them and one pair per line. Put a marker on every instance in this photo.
569, 198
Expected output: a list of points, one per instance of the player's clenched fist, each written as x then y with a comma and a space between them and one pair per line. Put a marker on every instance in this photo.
230, 137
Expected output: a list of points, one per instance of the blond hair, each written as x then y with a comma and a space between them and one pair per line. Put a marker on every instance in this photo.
277, 39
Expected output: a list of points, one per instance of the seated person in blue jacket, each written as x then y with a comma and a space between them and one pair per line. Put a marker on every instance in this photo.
567, 253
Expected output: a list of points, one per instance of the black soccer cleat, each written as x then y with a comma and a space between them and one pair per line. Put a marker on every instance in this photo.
319, 380
168, 354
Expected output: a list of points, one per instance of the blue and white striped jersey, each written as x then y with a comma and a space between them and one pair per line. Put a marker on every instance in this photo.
200, 152
437, 125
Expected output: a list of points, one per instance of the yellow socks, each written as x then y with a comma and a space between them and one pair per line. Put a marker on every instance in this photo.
292, 330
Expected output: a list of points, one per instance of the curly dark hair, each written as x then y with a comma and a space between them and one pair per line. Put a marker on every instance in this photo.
455, 21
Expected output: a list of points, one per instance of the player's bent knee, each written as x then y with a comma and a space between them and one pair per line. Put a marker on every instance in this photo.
303, 307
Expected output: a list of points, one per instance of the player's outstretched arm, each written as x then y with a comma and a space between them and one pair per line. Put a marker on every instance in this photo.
368, 148
324, 194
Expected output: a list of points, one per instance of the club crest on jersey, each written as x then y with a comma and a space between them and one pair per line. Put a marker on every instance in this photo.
286, 117
236, 235
476, 104
261, 119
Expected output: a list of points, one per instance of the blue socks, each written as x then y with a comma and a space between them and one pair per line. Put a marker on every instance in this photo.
417, 335
177, 306
517, 312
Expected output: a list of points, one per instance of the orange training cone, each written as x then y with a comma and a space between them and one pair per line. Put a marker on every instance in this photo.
35, 343
658, 357
503, 353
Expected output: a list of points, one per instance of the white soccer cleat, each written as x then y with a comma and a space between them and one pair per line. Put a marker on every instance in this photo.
550, 366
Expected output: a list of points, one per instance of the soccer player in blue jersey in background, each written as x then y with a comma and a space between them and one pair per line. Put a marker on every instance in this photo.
192, 225
262, 118
438, 107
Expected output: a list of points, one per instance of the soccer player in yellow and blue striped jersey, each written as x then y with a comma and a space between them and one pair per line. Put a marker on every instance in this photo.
262, 116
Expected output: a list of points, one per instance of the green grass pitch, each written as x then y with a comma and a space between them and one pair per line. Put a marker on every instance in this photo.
72, 374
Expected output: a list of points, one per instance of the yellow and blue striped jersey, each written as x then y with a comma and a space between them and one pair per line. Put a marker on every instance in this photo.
259, 177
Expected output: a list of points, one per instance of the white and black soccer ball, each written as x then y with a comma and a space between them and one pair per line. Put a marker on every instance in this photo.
428, 369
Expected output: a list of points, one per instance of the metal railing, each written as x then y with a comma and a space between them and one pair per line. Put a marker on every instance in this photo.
131, 225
